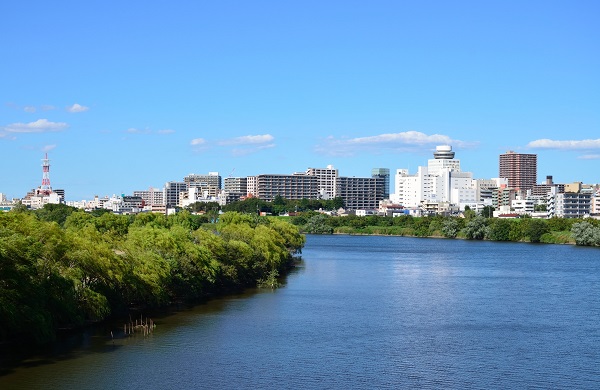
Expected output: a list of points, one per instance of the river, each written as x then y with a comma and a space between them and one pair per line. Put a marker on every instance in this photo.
364, 312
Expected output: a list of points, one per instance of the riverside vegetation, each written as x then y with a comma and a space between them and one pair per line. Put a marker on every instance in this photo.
472, 227
63, 268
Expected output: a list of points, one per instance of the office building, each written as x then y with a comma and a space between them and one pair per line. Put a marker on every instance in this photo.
441, 181
383, 173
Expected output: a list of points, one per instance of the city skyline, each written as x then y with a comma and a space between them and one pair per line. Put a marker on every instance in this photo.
126, 100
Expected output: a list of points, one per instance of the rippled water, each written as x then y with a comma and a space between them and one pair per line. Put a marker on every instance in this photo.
367, 312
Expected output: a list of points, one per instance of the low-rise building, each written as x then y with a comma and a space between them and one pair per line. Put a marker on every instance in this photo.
523, 206
571, 204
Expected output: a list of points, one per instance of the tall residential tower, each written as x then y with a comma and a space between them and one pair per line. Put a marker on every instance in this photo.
520, 169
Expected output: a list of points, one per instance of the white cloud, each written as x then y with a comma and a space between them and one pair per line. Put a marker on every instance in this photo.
405, 138
237, 152
198, 141
133, 130
29, 109
589, 157
77, 108
48, 107
408, 141
248, 144
199, 145
48, 148
248, 140
39, 126
565, 145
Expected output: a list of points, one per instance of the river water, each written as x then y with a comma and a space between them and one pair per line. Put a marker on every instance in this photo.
363, 312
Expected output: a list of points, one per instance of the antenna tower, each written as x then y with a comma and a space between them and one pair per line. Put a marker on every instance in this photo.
45, 188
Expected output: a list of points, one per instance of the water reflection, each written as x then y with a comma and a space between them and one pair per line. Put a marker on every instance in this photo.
362, 313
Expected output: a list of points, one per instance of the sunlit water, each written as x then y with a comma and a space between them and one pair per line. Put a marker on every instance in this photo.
366, 312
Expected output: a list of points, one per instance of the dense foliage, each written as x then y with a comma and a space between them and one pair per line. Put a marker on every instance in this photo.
62, 268
280, 205
473, 227
586, 233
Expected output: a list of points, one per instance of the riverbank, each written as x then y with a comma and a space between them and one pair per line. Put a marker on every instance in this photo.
89, 267
561, 238
366, 312
584, 232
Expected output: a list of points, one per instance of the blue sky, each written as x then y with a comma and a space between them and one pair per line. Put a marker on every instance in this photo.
128, 95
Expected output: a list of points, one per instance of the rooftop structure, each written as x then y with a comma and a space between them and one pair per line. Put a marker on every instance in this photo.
443, 152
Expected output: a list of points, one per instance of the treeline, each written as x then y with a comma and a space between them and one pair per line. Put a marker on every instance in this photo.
472, 227
278, 206
62, 268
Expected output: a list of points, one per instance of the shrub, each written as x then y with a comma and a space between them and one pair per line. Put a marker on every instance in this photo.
450, 228
585, 234
476, 228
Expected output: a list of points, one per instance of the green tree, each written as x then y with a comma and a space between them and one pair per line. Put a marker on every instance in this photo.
585, 234
536, 229
450, 227
203, 207
468, 213
487, 211
317, 224
421, 226
55, 213
476, 228
518, 229
499, 230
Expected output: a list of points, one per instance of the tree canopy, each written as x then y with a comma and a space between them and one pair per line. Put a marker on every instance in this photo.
62, 268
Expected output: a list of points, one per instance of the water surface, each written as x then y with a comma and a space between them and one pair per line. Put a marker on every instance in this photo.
366, 312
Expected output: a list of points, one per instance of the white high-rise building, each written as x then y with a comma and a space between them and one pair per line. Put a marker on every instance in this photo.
325, 179
440, 181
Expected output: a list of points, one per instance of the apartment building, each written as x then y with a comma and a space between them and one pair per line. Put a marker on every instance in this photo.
211, 182
360, 193
325, 180
519, 168
151, 197
545, 188
237, 185
573, 203
297, 186
172, 191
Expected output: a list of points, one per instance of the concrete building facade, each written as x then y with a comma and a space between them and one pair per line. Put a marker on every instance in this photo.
172, 191
519, 168
360, 193
440, 181
293, 187
151, 197
325, 180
